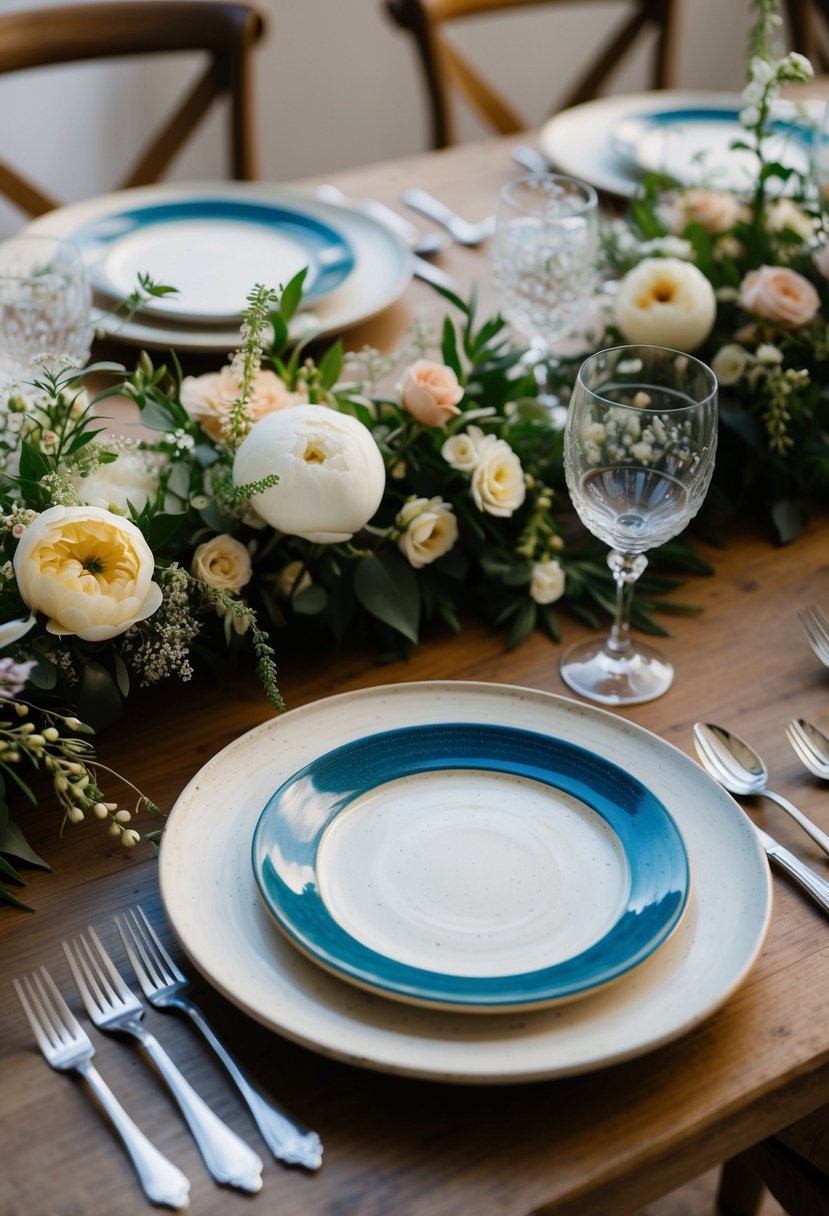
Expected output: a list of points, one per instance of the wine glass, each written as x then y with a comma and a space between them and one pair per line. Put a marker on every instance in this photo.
544, 261
45, 304
639, 445
820, 162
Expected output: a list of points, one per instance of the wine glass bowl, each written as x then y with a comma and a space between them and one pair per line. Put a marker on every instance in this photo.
45, 304
639, 447
544, 257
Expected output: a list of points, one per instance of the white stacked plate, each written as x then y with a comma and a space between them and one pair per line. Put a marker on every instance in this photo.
424, 878
213, 243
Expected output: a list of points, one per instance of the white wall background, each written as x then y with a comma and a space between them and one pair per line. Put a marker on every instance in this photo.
336, 86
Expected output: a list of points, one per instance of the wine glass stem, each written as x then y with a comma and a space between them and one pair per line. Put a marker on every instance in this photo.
626, 569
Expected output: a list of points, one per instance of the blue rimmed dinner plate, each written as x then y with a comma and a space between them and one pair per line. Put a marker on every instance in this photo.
696, 143
212, 250
471, 866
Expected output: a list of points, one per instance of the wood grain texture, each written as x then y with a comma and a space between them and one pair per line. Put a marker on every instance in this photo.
605, 1144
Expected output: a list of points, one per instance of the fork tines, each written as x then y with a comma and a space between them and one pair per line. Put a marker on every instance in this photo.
94, 972
53, 1023
816, 628
150, 961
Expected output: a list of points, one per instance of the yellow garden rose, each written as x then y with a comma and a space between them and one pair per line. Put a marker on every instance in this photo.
665, 302
89, 571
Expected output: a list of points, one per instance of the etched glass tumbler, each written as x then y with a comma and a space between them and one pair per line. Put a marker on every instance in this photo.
45, 306
639, 447
544, 260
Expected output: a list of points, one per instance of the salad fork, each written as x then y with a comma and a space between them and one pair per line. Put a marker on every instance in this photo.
165, 987
811, 746
67, 1047
113, 1007
816, 628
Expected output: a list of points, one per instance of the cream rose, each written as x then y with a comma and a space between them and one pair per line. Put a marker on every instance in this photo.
89, 571
547, 582
780, 295
429, 529
716, 210
665, 302
208, 398
461, 451
730, 362
13, 631
331, 473
497, 486
223, 563
430, 392
784, 213
292, 579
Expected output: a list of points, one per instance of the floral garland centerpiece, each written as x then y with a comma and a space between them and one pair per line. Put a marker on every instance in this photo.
742, 280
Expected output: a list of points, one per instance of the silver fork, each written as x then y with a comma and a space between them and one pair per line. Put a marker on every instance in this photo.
67, 1047
811, 746
165, 987
816, 628
113, 1007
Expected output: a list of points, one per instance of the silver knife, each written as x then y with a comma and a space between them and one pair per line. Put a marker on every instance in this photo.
811, 882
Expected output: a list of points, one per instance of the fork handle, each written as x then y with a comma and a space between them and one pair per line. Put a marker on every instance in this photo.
163, 1183
288, 1140
811, 829
225, 1154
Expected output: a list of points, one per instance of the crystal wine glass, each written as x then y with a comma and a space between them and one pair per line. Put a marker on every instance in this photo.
639, 447
45, 304
544, 260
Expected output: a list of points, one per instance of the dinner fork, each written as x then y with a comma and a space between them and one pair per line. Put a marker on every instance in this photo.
67, 1047
811, 746
165, 987
113, 1007
816, 628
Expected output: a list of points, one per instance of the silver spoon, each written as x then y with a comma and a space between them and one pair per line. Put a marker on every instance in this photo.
740, 770
461, 230
811, 746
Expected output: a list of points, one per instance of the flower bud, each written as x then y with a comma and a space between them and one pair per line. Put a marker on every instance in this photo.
130, 838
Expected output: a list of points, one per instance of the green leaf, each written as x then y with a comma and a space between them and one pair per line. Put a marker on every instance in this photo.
449, 348
523, 624
330, 365
10, 872
122, 676
7, 897
99, 701
14, 844
292, 294
386, 586
156, 418
311, 601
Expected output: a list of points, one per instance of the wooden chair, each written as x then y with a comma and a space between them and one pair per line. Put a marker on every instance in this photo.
793, 1166
226, 31
445, 67
808, 30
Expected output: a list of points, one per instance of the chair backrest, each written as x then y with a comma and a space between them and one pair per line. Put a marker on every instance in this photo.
808, 22
226, 31
445, 67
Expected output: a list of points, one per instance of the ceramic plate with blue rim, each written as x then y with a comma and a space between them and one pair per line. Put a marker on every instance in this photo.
212, 250
471, 867
694, 144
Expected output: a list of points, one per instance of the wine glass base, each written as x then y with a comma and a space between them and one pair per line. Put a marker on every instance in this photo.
594, 672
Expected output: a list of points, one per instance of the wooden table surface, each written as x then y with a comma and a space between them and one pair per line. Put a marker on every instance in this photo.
603, 1143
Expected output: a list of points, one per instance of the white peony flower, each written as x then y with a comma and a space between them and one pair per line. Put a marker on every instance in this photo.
730, 362
665, 302
130, 480
89, 571
222, 563
497, 486
429, 529
331, 473
547, 582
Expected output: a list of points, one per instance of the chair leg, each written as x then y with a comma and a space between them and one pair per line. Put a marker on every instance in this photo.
741, 1189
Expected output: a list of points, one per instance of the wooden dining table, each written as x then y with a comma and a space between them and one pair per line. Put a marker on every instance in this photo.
603, 1143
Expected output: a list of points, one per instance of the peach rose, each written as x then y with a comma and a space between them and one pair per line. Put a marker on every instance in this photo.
779, 294
715, 210
430, 392
208, 398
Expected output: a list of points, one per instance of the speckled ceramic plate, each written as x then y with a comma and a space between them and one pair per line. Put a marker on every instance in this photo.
217, 914
470, 866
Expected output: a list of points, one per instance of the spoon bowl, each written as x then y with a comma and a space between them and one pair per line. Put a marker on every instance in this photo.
740, 770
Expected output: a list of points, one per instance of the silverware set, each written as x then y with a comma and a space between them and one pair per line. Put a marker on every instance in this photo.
741, 771
113, 1008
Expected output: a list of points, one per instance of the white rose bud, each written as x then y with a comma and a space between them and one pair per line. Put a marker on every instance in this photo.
430, 529
547, 582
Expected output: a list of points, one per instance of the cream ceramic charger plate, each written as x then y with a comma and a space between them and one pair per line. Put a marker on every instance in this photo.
210, 896
381, 273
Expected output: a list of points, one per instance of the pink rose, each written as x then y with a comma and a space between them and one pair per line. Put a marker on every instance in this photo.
779, 294
208, 398
430, 392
